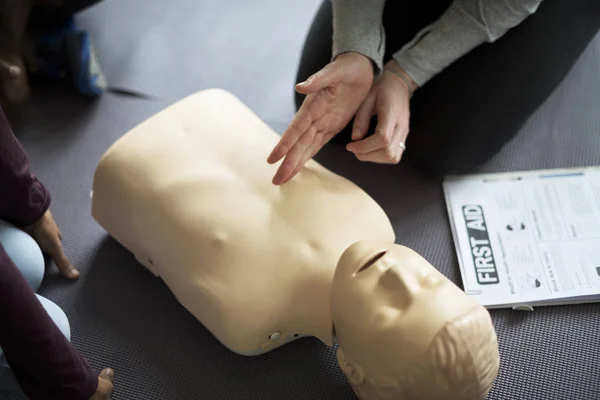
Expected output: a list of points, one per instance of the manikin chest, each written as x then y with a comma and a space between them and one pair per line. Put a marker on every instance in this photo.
245, 257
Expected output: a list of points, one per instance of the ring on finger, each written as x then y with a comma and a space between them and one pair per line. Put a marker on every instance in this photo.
402, 145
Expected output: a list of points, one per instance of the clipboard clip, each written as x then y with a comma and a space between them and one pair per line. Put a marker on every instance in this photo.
522, 307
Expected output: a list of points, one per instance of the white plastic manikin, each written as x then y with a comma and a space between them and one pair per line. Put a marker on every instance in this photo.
189, 193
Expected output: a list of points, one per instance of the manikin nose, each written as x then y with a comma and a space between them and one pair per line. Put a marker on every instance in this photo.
401, 286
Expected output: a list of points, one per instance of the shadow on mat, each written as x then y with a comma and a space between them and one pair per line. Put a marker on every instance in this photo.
401, 190
141, 320
56, 110
125, 295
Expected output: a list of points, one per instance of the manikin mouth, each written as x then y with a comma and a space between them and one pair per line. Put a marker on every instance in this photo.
371, 261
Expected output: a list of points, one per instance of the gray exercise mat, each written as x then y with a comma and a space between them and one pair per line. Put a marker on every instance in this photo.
123, 317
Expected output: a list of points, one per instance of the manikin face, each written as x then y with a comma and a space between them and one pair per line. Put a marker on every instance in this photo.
388, 303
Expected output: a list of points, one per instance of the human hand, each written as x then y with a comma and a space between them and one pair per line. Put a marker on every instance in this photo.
14, 85
389, 99
47, 235
333, 96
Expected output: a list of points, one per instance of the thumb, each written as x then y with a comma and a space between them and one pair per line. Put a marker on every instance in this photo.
328, 76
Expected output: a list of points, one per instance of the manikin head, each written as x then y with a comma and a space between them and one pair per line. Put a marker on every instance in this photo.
407, 332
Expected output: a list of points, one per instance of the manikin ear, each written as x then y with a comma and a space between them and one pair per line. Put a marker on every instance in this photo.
353, 372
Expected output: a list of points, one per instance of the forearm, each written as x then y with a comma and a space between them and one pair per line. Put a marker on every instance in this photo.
464, 26
357, 27
23, 199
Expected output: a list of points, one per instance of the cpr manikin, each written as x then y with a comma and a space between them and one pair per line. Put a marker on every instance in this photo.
189, 193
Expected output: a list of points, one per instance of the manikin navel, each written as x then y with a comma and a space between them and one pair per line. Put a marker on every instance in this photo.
189, 193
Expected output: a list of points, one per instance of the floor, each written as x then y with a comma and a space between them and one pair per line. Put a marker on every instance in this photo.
122, 317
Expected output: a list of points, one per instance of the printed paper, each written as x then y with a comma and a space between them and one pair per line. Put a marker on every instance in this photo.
527, 237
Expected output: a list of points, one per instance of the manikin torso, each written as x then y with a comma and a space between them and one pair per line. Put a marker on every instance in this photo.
189, 192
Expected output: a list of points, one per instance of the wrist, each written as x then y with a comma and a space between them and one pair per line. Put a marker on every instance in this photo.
395, 68
358, 58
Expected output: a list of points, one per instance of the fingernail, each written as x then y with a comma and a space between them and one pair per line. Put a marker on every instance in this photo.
109, 372
14, 71
308, 81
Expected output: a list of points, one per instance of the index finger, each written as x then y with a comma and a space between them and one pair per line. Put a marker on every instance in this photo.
299, 125
57, 253
65, 267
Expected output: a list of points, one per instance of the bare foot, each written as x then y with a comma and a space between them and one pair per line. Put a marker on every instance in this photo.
105, 385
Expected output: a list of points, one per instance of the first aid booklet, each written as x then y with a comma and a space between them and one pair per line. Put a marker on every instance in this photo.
528, 238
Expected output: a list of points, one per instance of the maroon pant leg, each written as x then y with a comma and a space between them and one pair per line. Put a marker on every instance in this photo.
44, 362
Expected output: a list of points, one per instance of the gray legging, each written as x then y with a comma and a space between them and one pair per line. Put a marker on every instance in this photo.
464, 115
